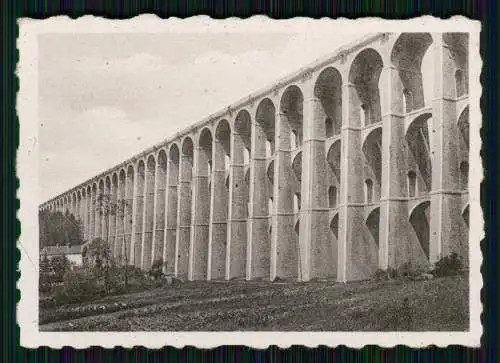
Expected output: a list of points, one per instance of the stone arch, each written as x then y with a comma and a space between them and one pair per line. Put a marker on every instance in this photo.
418, 140
407, 55
364, 75
328, 89
265, 129
334, 226
419, 220
222, 145
373, 224
291, 108
147, 249
457, 45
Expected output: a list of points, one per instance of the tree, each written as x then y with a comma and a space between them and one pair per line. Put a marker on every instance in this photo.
107, 207
57, 228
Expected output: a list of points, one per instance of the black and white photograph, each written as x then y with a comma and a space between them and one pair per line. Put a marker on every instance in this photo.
193, 181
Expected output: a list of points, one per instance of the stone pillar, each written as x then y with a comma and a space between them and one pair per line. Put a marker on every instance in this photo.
351, 207
119, 251
284, 259
112, 215
394, 242
105, 200
258, 247
159, 211
184, 217
445, 195
237, 223
169, 250
218, 214
138, 216
198, 249
148, 218
92, 214
97, 213
315, 245
83, 216
129, 208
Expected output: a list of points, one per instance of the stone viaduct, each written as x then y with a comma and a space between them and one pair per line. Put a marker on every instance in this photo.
341, 168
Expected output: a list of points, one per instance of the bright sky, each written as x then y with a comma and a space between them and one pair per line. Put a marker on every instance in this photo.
106, 97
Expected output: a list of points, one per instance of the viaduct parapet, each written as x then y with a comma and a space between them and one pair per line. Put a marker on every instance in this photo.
345, 167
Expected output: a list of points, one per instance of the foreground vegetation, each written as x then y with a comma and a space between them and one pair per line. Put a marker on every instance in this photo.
385, 305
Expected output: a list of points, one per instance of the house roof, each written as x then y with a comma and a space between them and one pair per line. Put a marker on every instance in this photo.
62, 250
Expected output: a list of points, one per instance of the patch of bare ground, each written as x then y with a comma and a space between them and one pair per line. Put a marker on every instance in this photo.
434, 305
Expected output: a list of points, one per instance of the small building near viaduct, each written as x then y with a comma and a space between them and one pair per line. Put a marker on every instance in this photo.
354, 163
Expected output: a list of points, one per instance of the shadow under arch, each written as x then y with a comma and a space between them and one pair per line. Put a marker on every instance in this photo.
373, 224
419, 220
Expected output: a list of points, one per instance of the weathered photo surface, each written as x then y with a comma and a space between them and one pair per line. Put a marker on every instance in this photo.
205, 182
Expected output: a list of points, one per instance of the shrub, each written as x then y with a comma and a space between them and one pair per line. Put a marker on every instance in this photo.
156, 271
59, 266
410, 271
79, 285
448, 266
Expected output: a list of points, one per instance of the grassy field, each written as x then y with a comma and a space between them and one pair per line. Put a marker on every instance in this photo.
435, 305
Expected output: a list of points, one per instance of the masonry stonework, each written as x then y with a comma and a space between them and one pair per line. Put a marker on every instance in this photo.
354, 163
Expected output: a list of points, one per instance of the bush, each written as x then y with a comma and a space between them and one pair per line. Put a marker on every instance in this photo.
408, 271
156, 271
79, 285
448, 266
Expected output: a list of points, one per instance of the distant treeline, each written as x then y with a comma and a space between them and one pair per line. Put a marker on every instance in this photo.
57, 228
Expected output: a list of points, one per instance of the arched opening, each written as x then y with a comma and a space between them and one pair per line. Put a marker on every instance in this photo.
464, 175
364, 75
99, 210
265, 125
333, 161
417, 138
221, 167
368, 191
373, 224
106, 211
291, 108
412, 184
419, 219
372, 150
328, 89
407, 57
457, 48
296, 202
242, 147
270, 172
270, 205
